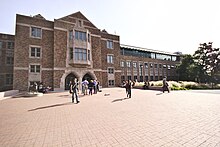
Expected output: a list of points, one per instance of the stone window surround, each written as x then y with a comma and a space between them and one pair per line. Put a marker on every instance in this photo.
38, 28
110, 44
112, 58
35, 68
109, 70
35, 46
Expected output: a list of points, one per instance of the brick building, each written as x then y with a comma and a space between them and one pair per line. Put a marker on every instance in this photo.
6, 61
53, 52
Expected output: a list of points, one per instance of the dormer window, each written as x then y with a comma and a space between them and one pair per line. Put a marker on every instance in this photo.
36, 32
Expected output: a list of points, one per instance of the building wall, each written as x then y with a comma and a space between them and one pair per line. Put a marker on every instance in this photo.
55, 61
6, 61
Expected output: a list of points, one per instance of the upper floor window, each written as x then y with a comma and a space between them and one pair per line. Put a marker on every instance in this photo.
88, 37
35, 68
1, 44
122, 64
111, 82
155, 65
109, 58
80, 35
36, 32
35, 52
146, 65
70, 34
111, 70
128, 64
71, 53
9, 60
109, 44
134, 64
80, 54
10, 45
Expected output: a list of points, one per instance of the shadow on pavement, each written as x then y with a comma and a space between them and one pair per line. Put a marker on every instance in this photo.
116, 100
159, 93
50, 106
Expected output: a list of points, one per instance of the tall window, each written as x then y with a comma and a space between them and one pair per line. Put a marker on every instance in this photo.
80, 35
109, 44
9, 79
89, 55
71, 53
35, 68
1, 44
70, 34
36, 32
35, 52
109, 58
10, 45
111, 70
9, 60
128, 64
80, 54
122, 64
134, 64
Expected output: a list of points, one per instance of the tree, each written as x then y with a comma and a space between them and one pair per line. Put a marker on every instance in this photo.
209, 58
189, 70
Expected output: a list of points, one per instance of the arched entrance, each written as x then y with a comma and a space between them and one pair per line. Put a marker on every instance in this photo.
69, 78
87, 77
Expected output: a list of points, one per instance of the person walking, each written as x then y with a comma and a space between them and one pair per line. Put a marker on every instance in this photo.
165, 85
128, 88
74, 91
91, 85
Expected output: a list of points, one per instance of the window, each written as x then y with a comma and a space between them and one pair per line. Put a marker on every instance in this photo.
88, 37
10, 45
80, 35
109, 44
36, 32
160, 65
146, 65
35, 52
80, 54
1, 44
9, 79
109, 58
151, 65
155, 65
134, 65
128, 64
70, 34
35, 68
71, 53
89, 55
111, 82
122, 64
9, 60
111, 70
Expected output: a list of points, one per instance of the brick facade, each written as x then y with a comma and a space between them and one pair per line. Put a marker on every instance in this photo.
6, 61
53, 52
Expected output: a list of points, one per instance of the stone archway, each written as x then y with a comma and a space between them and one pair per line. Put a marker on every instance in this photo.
88, 77
69, 78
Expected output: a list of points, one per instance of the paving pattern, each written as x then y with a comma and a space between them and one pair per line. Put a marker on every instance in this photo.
149, 118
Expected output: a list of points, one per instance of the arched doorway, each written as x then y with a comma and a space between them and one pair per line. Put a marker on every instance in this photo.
87, 77
69, 78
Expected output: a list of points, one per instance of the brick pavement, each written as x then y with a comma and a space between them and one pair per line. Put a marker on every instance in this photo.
149, 118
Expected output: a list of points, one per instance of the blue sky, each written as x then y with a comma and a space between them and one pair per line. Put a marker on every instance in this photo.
166, 25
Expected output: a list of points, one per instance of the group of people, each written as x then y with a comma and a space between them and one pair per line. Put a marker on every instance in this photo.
88, 88
39, 88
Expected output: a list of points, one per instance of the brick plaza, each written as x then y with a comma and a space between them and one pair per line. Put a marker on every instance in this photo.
149, 118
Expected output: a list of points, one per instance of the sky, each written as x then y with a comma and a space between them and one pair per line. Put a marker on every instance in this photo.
165, 25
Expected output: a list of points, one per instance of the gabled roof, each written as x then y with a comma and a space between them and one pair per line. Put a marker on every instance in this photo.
78, 15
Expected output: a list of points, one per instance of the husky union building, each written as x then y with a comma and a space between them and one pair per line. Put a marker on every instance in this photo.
54, 52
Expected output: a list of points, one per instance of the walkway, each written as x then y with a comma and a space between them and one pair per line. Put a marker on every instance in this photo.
149, 118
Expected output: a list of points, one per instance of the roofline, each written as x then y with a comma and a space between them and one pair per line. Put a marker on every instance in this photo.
146, 49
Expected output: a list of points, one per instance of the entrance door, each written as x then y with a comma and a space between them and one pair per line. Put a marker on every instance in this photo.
69, 78
87, 77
